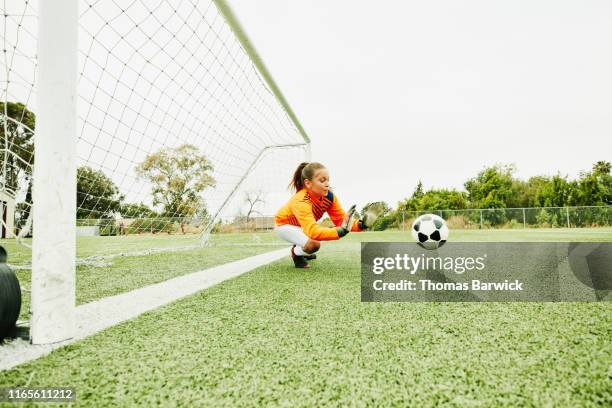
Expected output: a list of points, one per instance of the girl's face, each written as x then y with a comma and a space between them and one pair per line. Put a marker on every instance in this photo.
319, 184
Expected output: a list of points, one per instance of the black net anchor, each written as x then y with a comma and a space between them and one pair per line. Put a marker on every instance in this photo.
10, 298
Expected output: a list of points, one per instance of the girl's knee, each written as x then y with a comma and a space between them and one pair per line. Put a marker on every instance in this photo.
312, 246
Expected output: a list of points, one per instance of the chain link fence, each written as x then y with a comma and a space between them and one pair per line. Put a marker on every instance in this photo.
538, 217
535, 217
144, 225
171, 225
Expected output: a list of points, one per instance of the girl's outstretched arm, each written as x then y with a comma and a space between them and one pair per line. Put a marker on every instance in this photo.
303, 213
337, 214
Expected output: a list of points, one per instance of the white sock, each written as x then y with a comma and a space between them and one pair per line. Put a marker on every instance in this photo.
299, 251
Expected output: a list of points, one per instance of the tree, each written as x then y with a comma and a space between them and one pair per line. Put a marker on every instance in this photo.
442, 199
557, 192
602, 168
252, 199
524, 192
17, 126
418, 191
595, 187
178, 176
140, 210
389, 220
602, 171
491, 188
16, 137
413, 202
97, 195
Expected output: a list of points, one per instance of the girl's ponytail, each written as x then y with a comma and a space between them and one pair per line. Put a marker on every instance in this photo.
305, 171
297, 182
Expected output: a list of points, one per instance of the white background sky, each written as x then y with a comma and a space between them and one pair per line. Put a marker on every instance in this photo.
392, 92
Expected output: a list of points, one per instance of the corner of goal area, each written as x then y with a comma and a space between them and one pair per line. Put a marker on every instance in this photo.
105, 313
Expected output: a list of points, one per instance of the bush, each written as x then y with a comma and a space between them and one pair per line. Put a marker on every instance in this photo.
385, 222
513, 224
192, 228
460, 222
406, 224
107, 227
150, 225
247, 226
494, 217
591, 217
543, 218
221, 228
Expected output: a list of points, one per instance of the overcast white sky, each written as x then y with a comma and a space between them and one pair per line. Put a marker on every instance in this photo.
395, 91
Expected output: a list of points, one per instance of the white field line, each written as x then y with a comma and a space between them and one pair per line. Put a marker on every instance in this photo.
101, 314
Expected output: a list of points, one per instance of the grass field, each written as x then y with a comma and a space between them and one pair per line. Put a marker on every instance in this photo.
124, 273
281, 336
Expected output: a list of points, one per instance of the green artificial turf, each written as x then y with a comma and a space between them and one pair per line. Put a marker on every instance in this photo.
130, 244
125, 273
281, 336
501, 235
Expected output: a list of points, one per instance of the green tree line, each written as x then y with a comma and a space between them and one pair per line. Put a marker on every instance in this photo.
497, 187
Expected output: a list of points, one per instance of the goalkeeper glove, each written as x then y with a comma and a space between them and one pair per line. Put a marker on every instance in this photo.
368, 219
348, 218
341, 231
345, 228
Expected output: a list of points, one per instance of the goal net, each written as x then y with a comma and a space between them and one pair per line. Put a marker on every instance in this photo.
182, 136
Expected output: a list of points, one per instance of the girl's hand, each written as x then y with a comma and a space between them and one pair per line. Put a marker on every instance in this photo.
348, 218
342, 231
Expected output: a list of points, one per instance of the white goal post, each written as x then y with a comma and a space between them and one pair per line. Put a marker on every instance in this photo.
54, 186
116, 84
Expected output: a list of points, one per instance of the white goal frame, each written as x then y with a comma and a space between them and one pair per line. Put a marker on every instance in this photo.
54, 183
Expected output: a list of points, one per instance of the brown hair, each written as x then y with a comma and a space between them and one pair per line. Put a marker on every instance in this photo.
305, 171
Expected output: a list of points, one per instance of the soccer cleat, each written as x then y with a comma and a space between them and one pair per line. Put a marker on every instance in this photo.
310, 257
299, 261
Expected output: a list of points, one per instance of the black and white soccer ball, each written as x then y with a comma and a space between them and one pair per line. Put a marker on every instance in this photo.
430, 231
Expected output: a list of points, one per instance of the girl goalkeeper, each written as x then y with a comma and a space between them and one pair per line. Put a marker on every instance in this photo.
296, 221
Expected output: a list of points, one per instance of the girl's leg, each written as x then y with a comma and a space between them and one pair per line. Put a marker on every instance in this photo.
294, 234
310, 247
303, 248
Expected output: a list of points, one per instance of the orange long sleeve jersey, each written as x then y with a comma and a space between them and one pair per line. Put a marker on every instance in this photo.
304, 211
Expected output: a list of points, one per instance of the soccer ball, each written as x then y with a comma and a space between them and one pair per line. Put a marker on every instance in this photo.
430, 231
